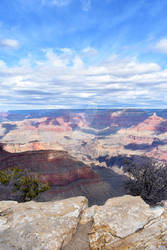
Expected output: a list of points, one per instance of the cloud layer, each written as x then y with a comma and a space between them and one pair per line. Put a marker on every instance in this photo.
63, 80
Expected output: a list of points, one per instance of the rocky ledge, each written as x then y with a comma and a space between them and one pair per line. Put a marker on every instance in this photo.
121, 223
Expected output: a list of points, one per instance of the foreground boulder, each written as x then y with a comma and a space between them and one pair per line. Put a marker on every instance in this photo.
127, 223
44, 226
121, 223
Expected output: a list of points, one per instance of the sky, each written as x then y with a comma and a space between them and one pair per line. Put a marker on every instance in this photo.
83, 54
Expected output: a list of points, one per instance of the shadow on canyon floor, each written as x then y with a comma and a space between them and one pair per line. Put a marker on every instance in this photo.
109, 185
8, 127
97, 192
145, 146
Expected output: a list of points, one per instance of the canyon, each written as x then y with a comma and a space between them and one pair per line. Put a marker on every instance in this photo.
81, 152
87, 134
82, 155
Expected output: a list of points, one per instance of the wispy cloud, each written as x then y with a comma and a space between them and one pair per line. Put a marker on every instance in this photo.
9, 43
58, 3
161, 46
86, 5
90, 51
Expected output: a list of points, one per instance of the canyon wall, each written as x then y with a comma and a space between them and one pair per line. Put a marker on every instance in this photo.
66, 175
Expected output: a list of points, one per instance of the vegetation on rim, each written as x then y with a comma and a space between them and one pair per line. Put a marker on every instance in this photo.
148, 179
22, 186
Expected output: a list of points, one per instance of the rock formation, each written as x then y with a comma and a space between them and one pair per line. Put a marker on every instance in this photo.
127, 223
152, 123
55, 166
86, 134
66, 175
121, 223
43, 226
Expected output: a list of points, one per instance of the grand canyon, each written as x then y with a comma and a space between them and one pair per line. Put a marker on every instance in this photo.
81, 152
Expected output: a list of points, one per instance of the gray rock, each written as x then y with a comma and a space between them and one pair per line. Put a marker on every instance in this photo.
42, 226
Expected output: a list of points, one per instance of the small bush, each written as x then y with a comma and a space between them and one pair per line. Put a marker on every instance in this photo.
21, 185
149, 180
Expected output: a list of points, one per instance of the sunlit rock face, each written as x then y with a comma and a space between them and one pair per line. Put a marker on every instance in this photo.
153, 123
31, 146
126, 223
121, 223
33, 225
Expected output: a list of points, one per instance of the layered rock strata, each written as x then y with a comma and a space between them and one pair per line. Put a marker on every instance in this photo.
66, 175
88, 135
56, 167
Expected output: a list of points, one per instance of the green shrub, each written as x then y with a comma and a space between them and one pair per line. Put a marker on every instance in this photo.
22, 185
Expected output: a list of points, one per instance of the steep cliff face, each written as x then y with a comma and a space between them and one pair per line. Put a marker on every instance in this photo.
121, 223
153, 123
66, 175
56, 167
127, 118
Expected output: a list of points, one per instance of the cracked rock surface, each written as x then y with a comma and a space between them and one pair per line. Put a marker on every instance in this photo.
127, 223
121, 223
37, 225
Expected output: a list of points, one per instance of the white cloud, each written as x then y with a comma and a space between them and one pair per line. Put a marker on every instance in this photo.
9, 43
129, 66
77, 63
59, 80
86, 5
66, 50
90, 51
161, 46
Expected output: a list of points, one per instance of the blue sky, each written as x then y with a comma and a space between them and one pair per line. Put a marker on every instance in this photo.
83, 54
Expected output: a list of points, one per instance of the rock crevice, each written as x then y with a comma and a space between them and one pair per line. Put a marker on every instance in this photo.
121, 223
